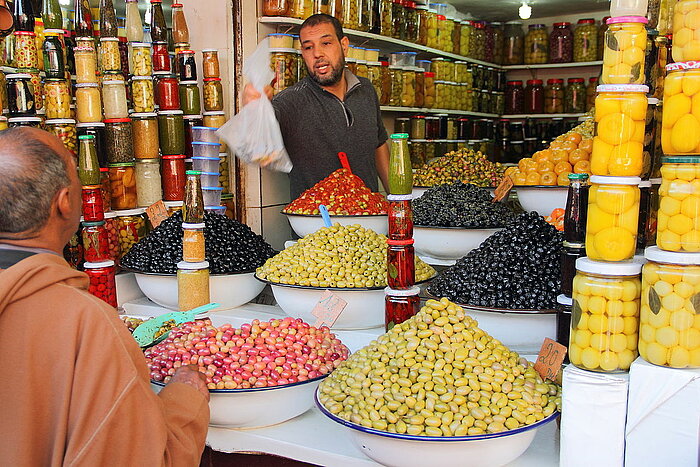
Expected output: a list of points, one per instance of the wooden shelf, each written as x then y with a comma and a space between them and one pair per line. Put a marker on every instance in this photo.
515, 117
552, 65
389, 108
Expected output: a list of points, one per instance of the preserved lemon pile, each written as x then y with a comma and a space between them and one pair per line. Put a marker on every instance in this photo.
336, 256
679, 210
680, 132
438, 374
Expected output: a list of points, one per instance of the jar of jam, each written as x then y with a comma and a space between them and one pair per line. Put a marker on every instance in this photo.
102, 281
534, 97
95, 242
119, 141
122, 186
20, 95
142, 94
92, 207
575, 96
186, 66
561, 43
168, 95
58, 98
171, 132
173, 177
213, 94
210, 63
144, 128
89, 103
132, 228
554, 96
97, 130
161, 57
515, 97
114, 99
112, 234
148, 182
400, 305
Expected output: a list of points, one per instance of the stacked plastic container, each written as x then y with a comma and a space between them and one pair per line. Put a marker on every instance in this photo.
206, 160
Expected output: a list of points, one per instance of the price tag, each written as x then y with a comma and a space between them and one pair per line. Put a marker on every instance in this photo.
503, 189
550, 358
157, 213
328, 308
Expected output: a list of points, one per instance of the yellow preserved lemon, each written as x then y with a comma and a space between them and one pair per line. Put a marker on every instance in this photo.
673, 84
614, 244
634, 105
600, 157
691, 83
680, 224
685, 135
617, 199
598, 219
618, 128
675, 107
626, 159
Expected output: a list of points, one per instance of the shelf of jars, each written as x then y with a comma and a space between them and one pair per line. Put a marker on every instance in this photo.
552, 65
388, 44
391, 108
561, 115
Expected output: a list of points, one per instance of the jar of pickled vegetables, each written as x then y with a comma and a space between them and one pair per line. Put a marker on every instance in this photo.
374, 74
193, 283
189, 98
444, 69
513, 43
561, 43
167, 92
515, 98
110, 60
623, 57
102, 281
283, 63
171, 132
122, 182
429, 90
679, 209
95, 242
131, 224
686, 45
533, 97
20, 95
57, 98
536, 44
445, 33
669, 332
114, 99
585, 40
351, 14
26, 54
461, 72
64, 129
605, 315
591, 93
613, 213
419, 100
213, 94
144, 128
442, 94
89, 103
680, 134
477, 40
85, 65
142, 94
408, 87
148, 182
553, 96
396, 87
112, 234
141, 62
119, 140
575, 96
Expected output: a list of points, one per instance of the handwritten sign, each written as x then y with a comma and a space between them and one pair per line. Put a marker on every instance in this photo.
157, 213
328, 308
550, 358
503, 189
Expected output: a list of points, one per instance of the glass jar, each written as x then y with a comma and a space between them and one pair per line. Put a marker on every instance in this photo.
679, 134
533, 97
575, 96
275, 7
513, 47
421, 24
398, 17
193, 283
122, 184
605, 315
283, 62
57, 98
167, 93
613, 212
561, 43
591, 93
14, 122
186, 66
465, 33
114, 99
92, 206
85, 65
477, 41
224, 173
37, 87
432, 21
623, 57
53, 57
429, 90
489, 44
213, 94
408, 87
119, 141
112, 235
148, 182
396, 86
20, 95
64, 129
554, 96
160, 57
106, 192
173, 177
189, 98
26, 54
585, 41
679, 210
142, 94
618, 144
419, 100
88, 103
417, 149
210, 63
536, 45
110, 60
499, 42
411, 22
144, 127
685, 44
461, 71
102, 281
571, 252
374, 74
95, 242
515, 98
171, 132
444, 69
140, 59
418, 127
132, 228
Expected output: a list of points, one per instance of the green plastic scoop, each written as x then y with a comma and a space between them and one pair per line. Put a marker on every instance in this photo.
145, 332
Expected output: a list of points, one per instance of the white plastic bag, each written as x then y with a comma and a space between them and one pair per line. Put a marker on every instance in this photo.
254, 134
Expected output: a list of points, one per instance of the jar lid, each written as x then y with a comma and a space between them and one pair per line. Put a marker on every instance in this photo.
537, 26
122, 164
176, 5
192, 266
166, 74
515, 83
576, 80
188, 83
555, 81
101, 264
84, 85
173, 204
141, 44
399, 136
622, 88
206, 80
645, 184
117, 120
111, 82
104, 169
84, 49
564, 300
627, 19
137, 78
204, 143
92, 187
130, 212
534, 81
203, 158
58, 121
656, 181
194, 172
19, 76
680, 160
204, 128
429, 74
593, 79
144, 115
185, 52
90, 125
173, 156
577, 176
54, 32
216, 209
226, 196
656, 254
209, 173
586, 21
607, 268
413, 291
410, 241
170, 112
93, 224
86, 137
109, 39
285, 50
200, 225
606, 180
562, 25
579, 246
214, 112
24, 33
653, 101
683, 66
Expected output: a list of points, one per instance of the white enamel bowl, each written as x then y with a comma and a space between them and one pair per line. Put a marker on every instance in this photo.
304, 225
543, 199
448, 243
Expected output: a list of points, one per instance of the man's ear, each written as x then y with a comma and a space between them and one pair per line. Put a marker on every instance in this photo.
345, 43
62, 203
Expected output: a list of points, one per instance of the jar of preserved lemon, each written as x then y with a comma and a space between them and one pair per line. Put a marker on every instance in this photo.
618, 145
623, 55
686, 30
678, 224
444, 69
669, 332
433, 39
605, 315
613, 214
408, 87
680, 134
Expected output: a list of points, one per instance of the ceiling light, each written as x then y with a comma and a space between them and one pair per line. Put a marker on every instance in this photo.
525, 11
64, 2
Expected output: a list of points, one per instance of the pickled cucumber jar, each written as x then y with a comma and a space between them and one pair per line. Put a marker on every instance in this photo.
465, 34
680, 134
408, 87
114, 99
553, 96
85, 65
396, 86
686, 23
536, 45
605, 315
585, 41
141, 63
142, 95
561, 43
110, 60
89, 103
613, 214
575, 96
189, 98
513, 43
57, 98
283, 63
669, 332
623, 56
679, 209
429, 90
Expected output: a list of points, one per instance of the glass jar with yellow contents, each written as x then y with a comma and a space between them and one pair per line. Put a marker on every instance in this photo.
623, 54
618, 145
605, 315
678, 224
680, 134
686, 30
613, 214
669, 331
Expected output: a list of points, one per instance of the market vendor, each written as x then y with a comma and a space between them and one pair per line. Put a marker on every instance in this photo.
329, 111
76, 386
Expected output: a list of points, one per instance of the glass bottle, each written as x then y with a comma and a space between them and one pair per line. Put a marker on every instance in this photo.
82, 23
576, 211
52, 14
88, 166
193, 207
134, 26
181, 34
23, 12
108, 19
400, 171
159, 29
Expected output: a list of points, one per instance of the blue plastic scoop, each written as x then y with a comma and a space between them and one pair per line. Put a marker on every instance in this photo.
145, 332
324, 214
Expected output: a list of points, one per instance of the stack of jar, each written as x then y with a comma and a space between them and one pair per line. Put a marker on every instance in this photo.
536, 98
193, 270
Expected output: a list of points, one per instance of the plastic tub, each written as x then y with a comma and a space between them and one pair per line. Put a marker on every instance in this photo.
209, 179
204, 134
206, 164
201, 149
212, 196
216, 209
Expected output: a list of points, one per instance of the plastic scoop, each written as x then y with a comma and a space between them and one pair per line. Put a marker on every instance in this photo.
145, 332
344, 161
324, 214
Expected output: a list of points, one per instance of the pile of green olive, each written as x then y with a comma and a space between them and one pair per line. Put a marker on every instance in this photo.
464, 165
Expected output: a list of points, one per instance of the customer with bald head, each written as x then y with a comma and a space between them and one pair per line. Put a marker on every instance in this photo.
76, 386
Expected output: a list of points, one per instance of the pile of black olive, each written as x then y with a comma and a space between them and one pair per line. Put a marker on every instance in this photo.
460, 205
515, 268
231, 247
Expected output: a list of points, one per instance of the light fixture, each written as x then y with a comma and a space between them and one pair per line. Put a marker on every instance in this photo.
525, 11
64, 2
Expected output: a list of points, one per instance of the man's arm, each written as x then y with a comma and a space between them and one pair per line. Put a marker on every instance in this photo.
381, 160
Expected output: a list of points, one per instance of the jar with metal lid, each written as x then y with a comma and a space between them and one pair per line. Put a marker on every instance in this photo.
160, 57
20, 95
189, 98
142, 94
57, 98
402, 125
173, 177
429, 90
114, 99
620, 117
489, 43
92, 206
171, 132
553, 96
119, 140
53, 56
141, 62
408, 87
477, 40
605, 315
102, 281
110, 59
112, 234
515, 98
26, 54
276, 7
106, 192
85, 65
679, 135
561, 43
575, 96
591, 93
686, 47
89, 103
64, 129
536, 44
122, 184
148, 182
585, 40
513, 48
385, 18
193, 284
396, 86
193, 242
533, 97
190, 121
213, 94
14, 122
132, 228
283, 62
95, 242
186, 66
444, 69
167, 93
613, 214
400, 305
210, 63
623, 57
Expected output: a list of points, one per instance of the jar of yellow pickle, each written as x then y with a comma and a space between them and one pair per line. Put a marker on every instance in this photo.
605, 315
686, 31
57, 98
408, 87
623, 55
669, 332
444, 69
461, 72
613, 212
110, 59
680, 134
678, 224
89, 103
445, 29
396, 86
536, 44
442, 94
374, 74
433, 38
422, 11
351, 14
620, 117
85, 65
465, 33
429, 90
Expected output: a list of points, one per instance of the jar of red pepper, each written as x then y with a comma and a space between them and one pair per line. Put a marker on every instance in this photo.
102, 281
400, 217
173, 175
534, 97
400, 305
168, 94
401, 266
95, 242
93, 206
515, 98
112, 234
161, 57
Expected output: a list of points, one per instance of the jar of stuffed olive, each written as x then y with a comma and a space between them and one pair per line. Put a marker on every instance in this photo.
444, 69
64, 129
585, 40
513, 43
536, 44
477, 41
429, 90
465, 33
396, 86
283, 63
575, 96
554, 96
